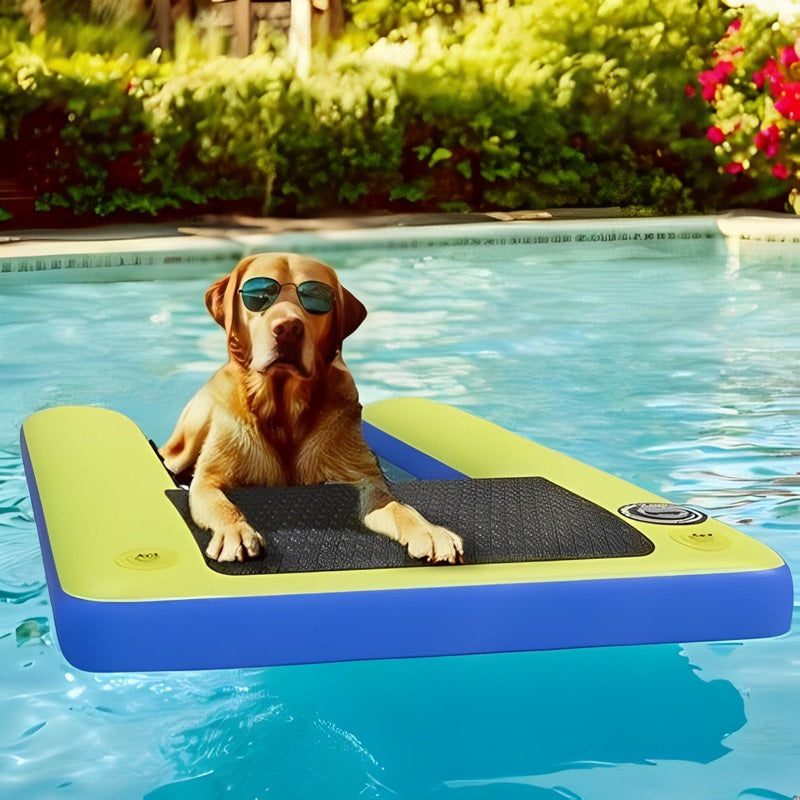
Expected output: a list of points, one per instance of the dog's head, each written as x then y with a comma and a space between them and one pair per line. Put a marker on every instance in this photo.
283, 312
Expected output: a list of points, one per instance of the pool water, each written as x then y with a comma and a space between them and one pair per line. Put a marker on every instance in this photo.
679, 371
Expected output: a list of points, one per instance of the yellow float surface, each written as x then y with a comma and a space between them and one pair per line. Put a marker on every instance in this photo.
115, 535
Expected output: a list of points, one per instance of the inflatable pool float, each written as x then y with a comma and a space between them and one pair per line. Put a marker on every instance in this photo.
559, 555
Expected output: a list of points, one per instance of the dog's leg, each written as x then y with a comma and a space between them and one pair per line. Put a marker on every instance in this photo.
232, 539
387, 516
181, 450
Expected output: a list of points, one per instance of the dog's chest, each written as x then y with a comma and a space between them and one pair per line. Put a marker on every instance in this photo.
278, 455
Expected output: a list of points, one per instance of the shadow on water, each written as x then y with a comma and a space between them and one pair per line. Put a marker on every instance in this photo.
474, 726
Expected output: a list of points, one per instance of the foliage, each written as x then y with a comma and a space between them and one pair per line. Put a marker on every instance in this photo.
753, 88
75, 130
110, 27
460, 106
583, 107
506, 108
262, 131
399, 20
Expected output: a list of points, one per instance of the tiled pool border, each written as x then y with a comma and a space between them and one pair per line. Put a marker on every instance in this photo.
137, 254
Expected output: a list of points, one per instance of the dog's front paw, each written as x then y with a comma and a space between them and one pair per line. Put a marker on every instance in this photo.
421, 538
435, 544
237, 543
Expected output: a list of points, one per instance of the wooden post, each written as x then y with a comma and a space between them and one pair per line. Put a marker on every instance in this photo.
327, 20
312, 21
162, 16
242, 29
35, 16
300, 35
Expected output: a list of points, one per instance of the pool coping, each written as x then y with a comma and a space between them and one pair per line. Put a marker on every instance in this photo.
150, 251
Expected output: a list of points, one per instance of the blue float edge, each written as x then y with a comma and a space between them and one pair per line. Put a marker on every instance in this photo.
408, 458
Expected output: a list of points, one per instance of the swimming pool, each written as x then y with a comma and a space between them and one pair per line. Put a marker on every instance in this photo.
662, 352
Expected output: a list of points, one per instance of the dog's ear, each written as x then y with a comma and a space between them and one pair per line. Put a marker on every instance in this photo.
350, 313
221, 295
215, 299
221, 302
353, 313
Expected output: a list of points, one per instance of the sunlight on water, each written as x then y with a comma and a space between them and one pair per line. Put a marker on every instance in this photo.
680, 374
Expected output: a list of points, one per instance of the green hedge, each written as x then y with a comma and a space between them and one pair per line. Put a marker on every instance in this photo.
456, 108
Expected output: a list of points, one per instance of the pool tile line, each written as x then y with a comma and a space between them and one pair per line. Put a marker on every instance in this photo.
150, 253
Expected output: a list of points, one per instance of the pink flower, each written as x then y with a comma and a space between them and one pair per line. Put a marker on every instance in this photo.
734, 27
789, 56
689, 90
712, 79
768, 141
788, 104
769, 74
734, 168
715, 135
780, 172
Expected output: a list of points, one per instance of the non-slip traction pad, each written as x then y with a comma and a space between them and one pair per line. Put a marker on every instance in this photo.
501, 520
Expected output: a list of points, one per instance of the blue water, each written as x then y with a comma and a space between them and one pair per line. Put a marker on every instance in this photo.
678, 372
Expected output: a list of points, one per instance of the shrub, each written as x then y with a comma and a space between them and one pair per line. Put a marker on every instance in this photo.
75, 132
399, 20
509, 107
753, 88
299, 145
583, 107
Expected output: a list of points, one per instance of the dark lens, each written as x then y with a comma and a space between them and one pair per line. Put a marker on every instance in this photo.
259, 293
315, 297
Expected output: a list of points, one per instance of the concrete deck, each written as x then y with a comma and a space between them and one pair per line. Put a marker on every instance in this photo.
186, 246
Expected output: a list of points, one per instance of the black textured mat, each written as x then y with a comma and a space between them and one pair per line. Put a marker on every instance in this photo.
317, 528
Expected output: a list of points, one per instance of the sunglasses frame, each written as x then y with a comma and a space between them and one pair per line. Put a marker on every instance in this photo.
272, 285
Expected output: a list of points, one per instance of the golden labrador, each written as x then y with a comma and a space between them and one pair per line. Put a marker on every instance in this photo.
284, 410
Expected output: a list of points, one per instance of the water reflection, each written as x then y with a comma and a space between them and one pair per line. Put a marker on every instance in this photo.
434, 726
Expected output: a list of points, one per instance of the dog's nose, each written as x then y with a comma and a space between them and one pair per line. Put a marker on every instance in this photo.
288, 329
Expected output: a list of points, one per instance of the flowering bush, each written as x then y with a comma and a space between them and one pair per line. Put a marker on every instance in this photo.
753, 88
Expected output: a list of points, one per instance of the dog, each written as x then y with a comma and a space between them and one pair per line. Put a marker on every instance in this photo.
284, 409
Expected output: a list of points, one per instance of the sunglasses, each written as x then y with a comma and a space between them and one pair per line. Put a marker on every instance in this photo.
258, 294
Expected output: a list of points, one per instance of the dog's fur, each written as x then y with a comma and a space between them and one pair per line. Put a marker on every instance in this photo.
284, 411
